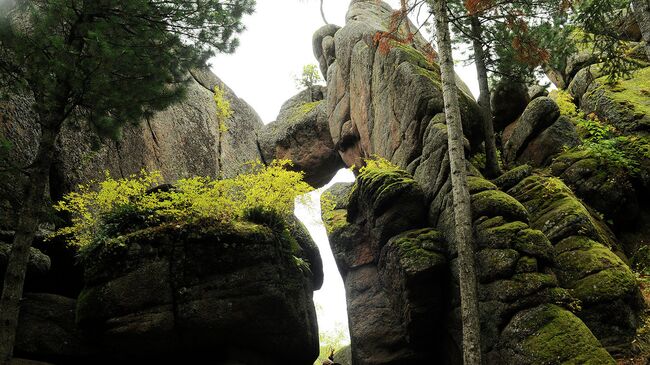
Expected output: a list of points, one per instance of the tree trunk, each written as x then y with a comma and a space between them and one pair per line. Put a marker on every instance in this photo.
642, 16
462, 210
32, 204
491, 160
322, 12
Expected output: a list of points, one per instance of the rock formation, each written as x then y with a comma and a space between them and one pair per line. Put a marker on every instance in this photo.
542, 254
180, 141
553, 234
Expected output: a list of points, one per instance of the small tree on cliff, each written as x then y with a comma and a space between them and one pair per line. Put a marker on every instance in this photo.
112, 62
461, 198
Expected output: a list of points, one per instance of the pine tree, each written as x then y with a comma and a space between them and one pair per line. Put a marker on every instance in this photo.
112, 62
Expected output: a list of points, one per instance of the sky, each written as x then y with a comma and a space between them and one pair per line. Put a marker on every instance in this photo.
272, 52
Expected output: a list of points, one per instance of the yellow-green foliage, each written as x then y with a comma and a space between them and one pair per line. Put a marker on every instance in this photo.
271, 188
224, 111
564, 100
378, 163
334, 217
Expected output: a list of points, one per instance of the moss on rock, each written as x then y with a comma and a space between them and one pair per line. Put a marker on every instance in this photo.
420, 249
549, 334
479, 184
607, 285
493, 203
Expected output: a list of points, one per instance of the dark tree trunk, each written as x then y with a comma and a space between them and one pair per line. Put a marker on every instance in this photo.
491, 160
462, 210
32, 204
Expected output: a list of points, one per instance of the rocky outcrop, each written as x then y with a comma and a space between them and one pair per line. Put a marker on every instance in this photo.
232, 292
381, 102
180, 141
393, 269
516, 279
372, 111
585, 260
301, 134
538, 115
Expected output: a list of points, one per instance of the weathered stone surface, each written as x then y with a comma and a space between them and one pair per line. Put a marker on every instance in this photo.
412, 268
536, 91
231, 291
557, 138
381, 103
548, 334
509, 100
513, 176
625, 105
391, 318
539, 115
47, 330
180, 141
514, 271
301, 134
608, 189
585, 261
343, 355
324, 46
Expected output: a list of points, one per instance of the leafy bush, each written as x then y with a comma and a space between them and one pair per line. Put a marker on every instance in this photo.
118, 206
603, 141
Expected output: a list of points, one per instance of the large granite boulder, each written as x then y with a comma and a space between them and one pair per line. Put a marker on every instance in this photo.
381, 102
509, 99
301, 134
540, 114
47, 331
180, 141
230, 292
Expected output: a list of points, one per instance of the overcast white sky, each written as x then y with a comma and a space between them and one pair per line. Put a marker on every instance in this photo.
274, 48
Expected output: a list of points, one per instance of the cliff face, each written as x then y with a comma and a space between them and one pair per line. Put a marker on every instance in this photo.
231, 292
554, 235
555, 285
180, 141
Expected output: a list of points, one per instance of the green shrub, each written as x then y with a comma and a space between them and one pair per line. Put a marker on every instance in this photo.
117, 206
603, 141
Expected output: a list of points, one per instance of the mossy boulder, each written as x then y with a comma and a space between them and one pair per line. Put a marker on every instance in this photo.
203, 288
414, 271
389, 200
584, 261
606, 186
492, 203
625, 104
548, 334
513, 176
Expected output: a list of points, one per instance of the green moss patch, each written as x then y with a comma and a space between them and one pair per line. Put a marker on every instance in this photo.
299, 112
607, 285
493, 203
633, 93
577, 264
561, 338
479, 184
420, 249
